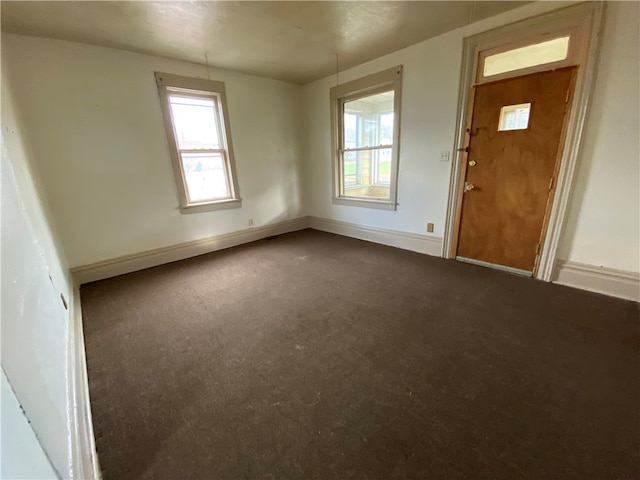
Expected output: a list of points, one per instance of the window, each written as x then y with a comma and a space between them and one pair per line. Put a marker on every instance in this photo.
196, 120
365, 115
514, 117
537, 54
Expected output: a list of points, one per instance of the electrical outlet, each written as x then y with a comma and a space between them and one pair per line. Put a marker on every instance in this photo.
430, 227
251, 222
444, 156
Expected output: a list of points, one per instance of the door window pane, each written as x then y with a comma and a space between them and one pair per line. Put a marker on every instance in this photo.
514, 117
538, 54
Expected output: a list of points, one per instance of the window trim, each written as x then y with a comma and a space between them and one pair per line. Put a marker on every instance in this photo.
198, 87
386, 80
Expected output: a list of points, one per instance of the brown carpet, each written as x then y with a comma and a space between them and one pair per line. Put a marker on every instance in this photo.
318, 356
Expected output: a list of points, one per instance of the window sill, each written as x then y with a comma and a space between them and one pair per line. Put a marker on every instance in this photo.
212, 206
357, 186
366, 203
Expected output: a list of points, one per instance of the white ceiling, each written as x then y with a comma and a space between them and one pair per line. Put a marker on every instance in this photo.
294, 41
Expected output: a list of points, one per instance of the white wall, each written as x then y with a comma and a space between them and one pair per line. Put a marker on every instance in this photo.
34, 321
603, 227
93, 118
21, 456
604, 219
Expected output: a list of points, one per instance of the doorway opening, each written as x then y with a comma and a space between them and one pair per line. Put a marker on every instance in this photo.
523, 99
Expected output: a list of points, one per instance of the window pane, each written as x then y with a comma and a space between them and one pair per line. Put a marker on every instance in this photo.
367, 174
350, 130
525, 57
351, 169
383, 170
386, 129
205, 176
194, 119
514, 117
368, 121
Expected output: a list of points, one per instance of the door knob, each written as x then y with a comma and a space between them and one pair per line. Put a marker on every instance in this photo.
472, 163
468, 187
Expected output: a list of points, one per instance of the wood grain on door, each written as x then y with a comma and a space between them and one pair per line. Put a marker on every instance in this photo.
509, 173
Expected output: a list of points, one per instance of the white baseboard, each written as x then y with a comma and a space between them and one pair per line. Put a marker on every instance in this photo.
152, 258
616, 283
159, 256
393, 238
604, 280
84, 458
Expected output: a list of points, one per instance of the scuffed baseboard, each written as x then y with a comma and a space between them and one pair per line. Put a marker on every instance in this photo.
616, 283
392, 238
152, 258
84, 458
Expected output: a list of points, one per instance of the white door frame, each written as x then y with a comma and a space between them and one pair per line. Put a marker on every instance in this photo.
588, 18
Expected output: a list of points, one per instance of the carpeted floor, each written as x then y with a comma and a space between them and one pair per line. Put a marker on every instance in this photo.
318, 356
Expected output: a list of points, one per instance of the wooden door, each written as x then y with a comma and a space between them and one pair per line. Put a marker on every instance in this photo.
510, 173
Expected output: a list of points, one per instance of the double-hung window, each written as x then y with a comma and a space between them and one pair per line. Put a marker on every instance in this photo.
365, 132
197, 125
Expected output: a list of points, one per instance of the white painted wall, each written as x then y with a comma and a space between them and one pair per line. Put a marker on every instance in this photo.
604, 219
34, 321
604, 216
93, 118
21, 456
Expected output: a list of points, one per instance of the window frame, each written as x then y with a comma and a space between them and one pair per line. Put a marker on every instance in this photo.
575, 51
169, 84
384, 81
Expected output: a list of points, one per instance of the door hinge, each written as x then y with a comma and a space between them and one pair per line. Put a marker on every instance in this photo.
537, 249
566, 99
551, 183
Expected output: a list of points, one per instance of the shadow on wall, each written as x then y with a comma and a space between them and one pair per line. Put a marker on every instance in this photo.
35, 322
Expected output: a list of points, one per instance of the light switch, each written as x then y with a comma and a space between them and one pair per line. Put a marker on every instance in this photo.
444, 156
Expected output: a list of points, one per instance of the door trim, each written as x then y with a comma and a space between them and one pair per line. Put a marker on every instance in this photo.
586, 16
